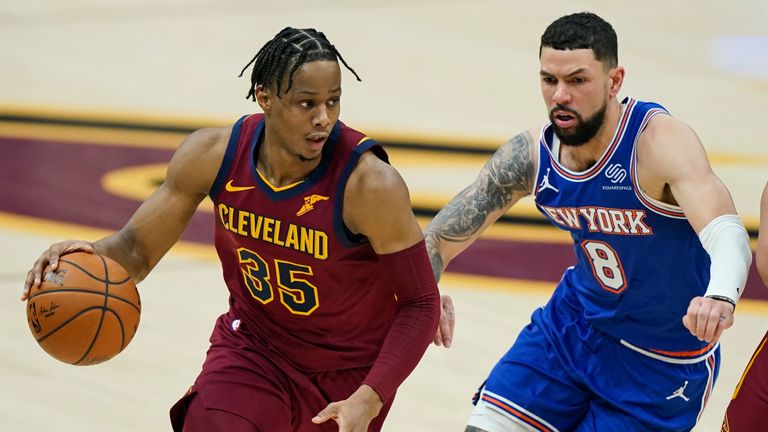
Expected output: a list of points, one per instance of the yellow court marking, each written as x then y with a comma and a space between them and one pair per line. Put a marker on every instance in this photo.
436, 159
136, 182
471, 282
736, 159
476, 142
139, 182
101, 115
752, 307
62, 230
91, 135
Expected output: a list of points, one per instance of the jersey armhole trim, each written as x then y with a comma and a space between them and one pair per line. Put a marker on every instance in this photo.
654, 205
226, 162
343, 234
540, 142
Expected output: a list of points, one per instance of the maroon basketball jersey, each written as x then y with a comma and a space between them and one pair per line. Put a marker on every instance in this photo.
297, 278
748, 409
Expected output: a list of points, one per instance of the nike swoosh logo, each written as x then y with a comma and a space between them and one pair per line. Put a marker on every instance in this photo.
230, 188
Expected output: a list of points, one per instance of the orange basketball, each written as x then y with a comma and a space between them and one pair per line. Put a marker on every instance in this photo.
86, 312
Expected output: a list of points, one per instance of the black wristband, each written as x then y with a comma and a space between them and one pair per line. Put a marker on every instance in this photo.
724, 298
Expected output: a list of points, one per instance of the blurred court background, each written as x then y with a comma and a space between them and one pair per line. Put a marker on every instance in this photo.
94, 97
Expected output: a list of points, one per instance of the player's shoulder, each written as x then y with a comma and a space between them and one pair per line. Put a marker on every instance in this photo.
526, 139
217, 138
372, 183
668, 148
533, 135
666, 134
197, 159
518, 155
664, 123
519, 147
206, 140
373, 176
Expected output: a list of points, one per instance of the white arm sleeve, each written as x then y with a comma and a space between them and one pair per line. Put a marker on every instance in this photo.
726, 241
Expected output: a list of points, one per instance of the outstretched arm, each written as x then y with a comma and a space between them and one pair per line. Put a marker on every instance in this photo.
506, 177
673, 166
160, 220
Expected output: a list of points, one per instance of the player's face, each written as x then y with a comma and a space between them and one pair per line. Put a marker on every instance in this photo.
576, 88
302, 118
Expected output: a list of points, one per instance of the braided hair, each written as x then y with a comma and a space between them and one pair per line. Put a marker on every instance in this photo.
286, 52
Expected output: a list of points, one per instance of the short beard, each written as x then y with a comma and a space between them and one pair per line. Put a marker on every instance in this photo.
584, 130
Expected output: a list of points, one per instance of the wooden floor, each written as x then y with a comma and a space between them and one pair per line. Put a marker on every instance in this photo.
461, 73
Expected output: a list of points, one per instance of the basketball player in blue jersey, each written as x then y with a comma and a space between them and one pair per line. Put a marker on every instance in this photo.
332, 298
629, 339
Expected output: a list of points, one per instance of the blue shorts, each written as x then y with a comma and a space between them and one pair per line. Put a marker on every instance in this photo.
563, 374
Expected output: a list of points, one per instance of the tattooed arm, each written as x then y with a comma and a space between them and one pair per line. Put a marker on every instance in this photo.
506, 177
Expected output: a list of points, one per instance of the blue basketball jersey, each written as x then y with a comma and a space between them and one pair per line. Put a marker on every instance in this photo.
639, 261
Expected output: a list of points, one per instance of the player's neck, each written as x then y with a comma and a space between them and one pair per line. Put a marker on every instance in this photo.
281, 167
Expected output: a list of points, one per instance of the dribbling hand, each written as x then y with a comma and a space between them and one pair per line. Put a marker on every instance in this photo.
51, 256
707, 318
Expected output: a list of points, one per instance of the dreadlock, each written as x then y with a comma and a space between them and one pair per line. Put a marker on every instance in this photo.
288, 50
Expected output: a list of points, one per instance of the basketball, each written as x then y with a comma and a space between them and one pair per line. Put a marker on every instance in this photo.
86, 312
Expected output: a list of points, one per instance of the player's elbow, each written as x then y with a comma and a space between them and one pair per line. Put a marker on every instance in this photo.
432, 241
142, 264
133, 256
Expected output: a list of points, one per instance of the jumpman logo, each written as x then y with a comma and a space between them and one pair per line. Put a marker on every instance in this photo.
679, 393
545, 183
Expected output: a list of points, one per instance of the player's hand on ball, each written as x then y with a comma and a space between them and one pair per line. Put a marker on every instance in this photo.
51, 255
86, 311
353, 414
444, 334
707, 318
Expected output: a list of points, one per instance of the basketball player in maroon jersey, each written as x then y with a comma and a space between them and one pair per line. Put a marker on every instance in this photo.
748, 410
332, 297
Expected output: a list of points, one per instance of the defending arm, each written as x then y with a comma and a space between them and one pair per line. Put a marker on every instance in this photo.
410, 275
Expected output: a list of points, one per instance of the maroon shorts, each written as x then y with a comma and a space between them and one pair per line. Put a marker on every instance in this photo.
748, 410
262, 388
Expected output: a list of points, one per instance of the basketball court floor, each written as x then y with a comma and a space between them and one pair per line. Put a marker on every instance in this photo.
94, 97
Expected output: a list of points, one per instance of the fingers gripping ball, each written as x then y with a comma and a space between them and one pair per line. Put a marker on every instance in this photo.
86, 312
